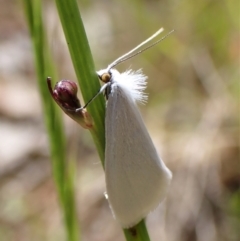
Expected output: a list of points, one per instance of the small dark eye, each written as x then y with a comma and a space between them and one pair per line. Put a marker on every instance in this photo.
105, 77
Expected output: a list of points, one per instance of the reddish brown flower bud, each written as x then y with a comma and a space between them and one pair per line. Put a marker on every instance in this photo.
65, 95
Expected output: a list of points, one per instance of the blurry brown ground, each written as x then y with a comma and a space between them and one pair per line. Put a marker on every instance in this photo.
192, 116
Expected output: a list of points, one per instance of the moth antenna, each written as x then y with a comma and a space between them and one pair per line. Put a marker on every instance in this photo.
93, 98
128, 54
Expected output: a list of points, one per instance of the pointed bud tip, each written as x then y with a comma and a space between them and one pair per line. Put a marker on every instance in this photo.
65, 93
66, 89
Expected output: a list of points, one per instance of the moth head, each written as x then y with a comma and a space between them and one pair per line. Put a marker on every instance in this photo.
104, 75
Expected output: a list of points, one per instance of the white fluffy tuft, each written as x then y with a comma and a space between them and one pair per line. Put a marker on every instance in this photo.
133, 82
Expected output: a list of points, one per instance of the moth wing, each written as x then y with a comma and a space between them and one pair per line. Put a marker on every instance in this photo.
136, 178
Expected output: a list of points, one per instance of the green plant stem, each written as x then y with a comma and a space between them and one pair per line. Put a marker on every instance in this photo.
44, 67
83, 64
137, 233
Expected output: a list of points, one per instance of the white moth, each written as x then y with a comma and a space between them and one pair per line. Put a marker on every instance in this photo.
137, 179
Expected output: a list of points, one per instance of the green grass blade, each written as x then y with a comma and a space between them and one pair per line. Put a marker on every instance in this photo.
137, 233
84, 67
53, 120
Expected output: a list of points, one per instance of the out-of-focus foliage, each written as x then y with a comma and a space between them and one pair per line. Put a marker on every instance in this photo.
192, 116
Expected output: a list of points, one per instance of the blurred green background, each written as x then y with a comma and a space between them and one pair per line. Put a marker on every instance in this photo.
192, 116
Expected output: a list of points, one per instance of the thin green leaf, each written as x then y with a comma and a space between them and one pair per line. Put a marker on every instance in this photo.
84, 67
53, 120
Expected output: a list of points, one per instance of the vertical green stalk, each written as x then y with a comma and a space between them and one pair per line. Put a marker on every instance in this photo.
137, 233
84, 67
62, 173
83, 64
